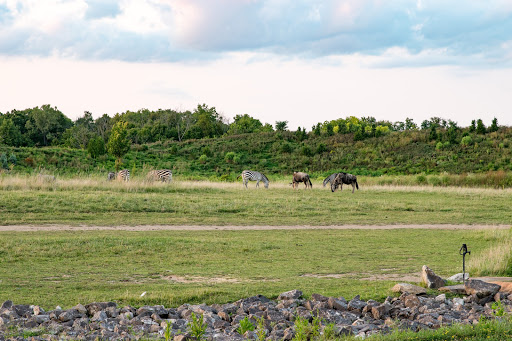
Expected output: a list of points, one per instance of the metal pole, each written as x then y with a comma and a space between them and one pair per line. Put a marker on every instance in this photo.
463, 250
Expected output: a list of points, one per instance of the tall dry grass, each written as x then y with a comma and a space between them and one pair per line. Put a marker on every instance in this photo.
497, 260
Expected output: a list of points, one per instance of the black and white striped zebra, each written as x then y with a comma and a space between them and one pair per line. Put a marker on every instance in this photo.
164, 175
123, 174
249, 175
330, 179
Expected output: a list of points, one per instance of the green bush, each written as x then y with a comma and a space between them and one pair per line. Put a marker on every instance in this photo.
421, 179
466, 141
203, 158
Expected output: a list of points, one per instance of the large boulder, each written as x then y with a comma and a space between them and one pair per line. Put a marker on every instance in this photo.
480, 288
409, 288
430, 279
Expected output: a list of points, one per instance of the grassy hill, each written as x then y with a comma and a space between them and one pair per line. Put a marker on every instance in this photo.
278, 154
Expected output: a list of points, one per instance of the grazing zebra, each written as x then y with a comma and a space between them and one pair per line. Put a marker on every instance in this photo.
344, 178
301, 177
330, 179
121, 175
253, 176
164, 175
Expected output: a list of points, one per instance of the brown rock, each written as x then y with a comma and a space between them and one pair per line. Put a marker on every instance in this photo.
454, 289
411, 301
409, 288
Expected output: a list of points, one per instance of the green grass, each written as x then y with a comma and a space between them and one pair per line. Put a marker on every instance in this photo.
25, 200
175, 267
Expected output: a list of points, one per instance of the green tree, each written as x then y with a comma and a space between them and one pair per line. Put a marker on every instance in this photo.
410, 125
208, 123
96, 147
118, 143
47, 123
494, 125
480, 127
244, 124
433, 133
281, 125
472, 127
10, 134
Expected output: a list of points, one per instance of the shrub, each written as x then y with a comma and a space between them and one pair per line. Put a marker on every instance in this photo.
203, 158
439, 145
466, 141
229, 157
197, 327
245, 325
421, 179
13, 159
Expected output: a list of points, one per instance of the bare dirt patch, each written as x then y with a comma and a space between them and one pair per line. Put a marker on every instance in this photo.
30, 228
365, 276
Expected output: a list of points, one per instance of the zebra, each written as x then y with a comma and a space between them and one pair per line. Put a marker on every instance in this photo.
123, 174
330, 179
164, 175
253, 176
344, 178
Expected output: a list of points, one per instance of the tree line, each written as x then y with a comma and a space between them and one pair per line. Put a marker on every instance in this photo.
47, 125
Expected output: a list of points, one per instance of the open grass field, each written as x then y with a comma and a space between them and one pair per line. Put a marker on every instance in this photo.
174, 267
90, 201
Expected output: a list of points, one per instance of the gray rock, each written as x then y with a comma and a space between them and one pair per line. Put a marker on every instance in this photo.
99, 316
356, 304
430, 279
68, 315
335, 303
480, 288
290, 295
381, 311
458, 277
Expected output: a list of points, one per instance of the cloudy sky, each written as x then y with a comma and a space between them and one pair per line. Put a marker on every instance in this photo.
302, 61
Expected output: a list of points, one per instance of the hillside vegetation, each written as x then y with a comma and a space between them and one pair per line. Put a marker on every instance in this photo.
201, 145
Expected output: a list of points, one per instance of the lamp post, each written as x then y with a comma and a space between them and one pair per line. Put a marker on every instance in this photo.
463, 251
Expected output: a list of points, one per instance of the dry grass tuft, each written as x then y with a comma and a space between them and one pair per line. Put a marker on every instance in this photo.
497, 260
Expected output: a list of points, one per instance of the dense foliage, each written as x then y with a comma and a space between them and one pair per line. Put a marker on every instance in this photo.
202, 144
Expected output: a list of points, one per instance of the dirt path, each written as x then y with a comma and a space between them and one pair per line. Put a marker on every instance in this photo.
238, 228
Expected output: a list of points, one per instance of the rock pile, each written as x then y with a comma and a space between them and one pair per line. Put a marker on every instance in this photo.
105, 320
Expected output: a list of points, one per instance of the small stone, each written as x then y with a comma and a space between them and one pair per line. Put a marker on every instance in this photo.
290, 295
440, 298
458, 277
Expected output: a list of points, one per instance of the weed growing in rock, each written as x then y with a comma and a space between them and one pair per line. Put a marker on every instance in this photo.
261, 332
498, 309
245, 325
167, 332
197, 327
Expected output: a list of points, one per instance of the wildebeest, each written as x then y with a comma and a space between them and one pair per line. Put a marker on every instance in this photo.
301, 177
330, 179
344, 178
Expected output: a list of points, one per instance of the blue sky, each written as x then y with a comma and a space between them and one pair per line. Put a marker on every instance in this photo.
296, 60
